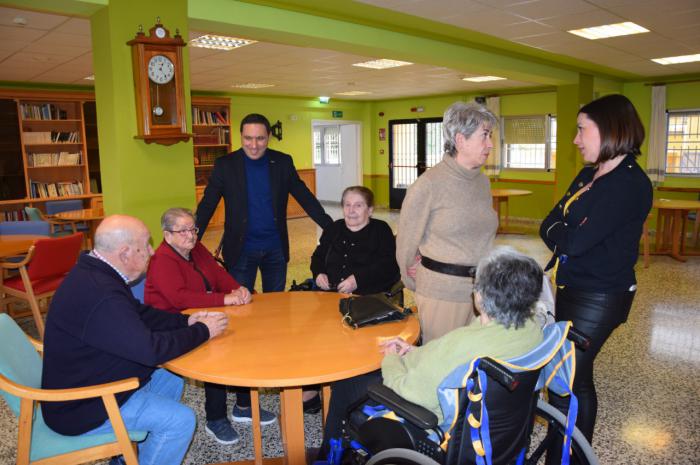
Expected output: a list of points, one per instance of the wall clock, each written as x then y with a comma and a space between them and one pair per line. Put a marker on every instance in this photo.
159, 86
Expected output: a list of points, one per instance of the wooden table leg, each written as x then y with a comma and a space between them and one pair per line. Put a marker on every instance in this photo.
292, 425
257, 432
677, 231
326, 391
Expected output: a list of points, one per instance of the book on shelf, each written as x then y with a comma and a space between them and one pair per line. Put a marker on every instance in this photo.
35, 160
216, 135
42, 190
200, 116
51, 137
46, 111
15, 215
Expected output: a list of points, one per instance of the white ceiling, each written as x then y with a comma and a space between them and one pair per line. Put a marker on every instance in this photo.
56, 49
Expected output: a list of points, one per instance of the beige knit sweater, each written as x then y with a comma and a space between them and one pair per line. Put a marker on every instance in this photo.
447, 215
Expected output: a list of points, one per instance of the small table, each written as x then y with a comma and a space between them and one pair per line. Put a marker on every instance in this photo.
11, 244
502, 196
676, 211
91, 216
288, 340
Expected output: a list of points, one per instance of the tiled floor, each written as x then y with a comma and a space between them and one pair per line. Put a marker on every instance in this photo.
648, 374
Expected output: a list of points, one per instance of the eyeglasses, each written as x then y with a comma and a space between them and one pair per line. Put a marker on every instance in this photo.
184, 232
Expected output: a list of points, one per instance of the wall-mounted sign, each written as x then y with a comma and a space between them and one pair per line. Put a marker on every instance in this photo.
382, 133
337, 114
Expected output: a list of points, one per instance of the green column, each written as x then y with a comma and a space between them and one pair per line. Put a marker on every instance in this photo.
137, 178
569, 100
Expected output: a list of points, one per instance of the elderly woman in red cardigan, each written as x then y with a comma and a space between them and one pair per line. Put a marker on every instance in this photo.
183, 274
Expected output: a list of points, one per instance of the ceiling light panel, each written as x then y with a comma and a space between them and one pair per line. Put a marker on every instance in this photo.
353, 93
252, 85
677, 60
382, 64
609, 30
484, 78
220, 42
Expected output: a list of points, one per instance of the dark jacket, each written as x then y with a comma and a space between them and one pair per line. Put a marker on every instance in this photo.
228, 180
599, 236
369, 254
97, 332
174, 283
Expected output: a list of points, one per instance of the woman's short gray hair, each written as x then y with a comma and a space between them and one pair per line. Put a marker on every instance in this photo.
169, 218
464, 118
510, 284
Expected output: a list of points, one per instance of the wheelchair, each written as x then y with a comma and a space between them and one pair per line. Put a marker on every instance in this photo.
498, 416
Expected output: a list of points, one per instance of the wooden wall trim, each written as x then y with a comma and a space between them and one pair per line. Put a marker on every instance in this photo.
61, 95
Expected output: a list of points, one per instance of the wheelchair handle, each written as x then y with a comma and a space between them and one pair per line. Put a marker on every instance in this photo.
580, 339
500, 373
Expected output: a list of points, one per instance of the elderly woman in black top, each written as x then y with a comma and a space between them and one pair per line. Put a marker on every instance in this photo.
594, 233
358, 253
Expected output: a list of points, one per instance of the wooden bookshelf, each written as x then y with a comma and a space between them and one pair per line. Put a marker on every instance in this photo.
211, 129
44, 148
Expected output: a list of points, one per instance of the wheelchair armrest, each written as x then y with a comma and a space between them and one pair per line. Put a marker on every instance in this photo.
414, 413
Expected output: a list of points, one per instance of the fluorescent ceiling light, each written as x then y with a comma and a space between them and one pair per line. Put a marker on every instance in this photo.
484, 78
252, 85
90, 78
220, 42
678, 59
324, 99
382, 64
353, 92
609, 30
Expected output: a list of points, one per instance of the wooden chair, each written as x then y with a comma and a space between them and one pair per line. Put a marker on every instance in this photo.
20, 385
41, 272
57, 226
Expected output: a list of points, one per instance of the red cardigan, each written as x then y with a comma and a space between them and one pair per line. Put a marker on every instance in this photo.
173, 284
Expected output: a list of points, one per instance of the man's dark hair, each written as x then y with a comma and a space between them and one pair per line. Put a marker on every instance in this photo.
256, 118
621, 130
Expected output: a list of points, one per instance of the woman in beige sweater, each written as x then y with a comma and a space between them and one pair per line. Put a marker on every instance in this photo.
448, 223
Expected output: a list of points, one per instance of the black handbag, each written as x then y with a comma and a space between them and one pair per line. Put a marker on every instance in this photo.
372, 309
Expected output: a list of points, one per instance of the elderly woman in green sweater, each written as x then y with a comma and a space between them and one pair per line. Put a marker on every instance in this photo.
448, 223
506, 289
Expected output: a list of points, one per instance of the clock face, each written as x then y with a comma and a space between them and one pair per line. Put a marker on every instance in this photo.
160, 32
160, 69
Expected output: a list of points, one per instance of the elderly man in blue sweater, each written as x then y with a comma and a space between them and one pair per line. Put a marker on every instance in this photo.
97, 332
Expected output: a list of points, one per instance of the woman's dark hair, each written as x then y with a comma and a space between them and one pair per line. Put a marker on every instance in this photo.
621, 130
256, 118
365, 192
510, 284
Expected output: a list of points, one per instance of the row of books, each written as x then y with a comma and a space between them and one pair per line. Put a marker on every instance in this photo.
207, 156
15, 215
208, 117
53, 159
41, 190
217, 135
45, 111
50, 137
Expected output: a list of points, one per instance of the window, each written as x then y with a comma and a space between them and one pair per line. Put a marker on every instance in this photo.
529, 142
415, 146
683, 143
327, 145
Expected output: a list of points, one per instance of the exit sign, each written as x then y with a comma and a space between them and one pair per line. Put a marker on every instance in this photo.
337, 114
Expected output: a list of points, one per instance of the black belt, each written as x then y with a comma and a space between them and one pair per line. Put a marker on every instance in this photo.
464, 271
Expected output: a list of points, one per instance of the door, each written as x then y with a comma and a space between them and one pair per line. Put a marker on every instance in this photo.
414, 146
336, 152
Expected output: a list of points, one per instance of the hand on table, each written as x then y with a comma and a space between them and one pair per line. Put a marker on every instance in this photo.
322, 281
216, 322
348, 285
238, 296
396, 346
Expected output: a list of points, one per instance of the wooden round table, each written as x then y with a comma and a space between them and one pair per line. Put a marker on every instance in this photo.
19, 244
289, 340
676, 211
502, 196
91, 216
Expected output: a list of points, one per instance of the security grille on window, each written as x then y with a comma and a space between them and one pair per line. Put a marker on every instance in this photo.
327, 145
529, 141
683, 143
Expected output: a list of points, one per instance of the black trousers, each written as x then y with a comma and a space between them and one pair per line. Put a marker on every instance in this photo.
215, 400
344, 393
596, 315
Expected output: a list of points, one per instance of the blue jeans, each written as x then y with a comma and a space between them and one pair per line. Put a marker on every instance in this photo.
156, 408
272, 265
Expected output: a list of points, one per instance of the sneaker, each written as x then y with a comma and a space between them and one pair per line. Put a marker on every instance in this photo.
243, 415
222, 431
118, 460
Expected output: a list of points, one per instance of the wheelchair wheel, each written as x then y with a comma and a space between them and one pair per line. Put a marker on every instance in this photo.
582, 452
401, 457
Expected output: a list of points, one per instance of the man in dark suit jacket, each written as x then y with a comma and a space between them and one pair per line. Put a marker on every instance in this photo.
255, 182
